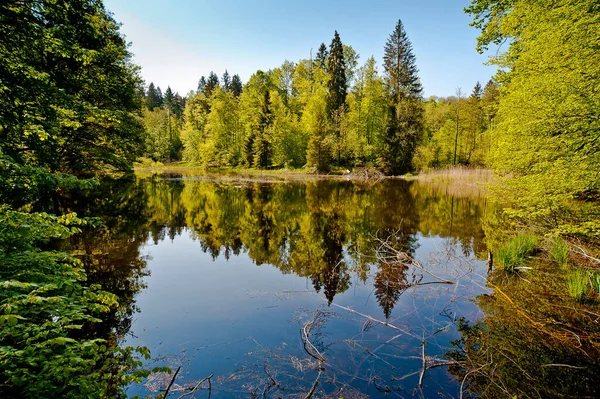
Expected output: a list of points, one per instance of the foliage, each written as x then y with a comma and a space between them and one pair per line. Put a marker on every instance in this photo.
578, 285
547, 129
512, 255
559, 251
69, 90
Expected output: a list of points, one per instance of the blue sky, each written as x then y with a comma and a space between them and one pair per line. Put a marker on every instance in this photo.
177, 41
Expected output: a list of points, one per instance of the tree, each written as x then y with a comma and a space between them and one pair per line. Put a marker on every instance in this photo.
169, 99
402, 134
336, 68
236, 85
226, 81
321, 57
547, 128
70, 91
201, 84
211, 83
152, 98
262, 145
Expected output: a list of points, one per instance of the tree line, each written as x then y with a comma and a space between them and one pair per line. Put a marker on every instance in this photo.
321, 112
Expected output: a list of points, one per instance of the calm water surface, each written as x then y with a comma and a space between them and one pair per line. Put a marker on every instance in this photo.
282, 287
268, 285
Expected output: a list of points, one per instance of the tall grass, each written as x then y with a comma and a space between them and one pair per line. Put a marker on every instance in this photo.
461, 174
512, 255
578, 285
596, 282
560, 252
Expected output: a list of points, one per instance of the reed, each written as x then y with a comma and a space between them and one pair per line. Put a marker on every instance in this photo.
512, 255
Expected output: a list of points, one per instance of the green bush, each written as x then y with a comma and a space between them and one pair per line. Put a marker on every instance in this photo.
513, 254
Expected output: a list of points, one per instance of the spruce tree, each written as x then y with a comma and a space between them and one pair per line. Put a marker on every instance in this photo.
405, 122
152, 97
236, 85
168, 99
201, 84
159, 97
400, 66
336, 68
477, 91
226, 81
211, 83
262, 145
321, 57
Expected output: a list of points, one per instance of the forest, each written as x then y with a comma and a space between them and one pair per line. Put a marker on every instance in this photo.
320, 113
74, 112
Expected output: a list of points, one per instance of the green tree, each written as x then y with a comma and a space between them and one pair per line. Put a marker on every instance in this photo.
336, 84
405, 122
547, 127
322, 56
262, 142
236, 85
226, 81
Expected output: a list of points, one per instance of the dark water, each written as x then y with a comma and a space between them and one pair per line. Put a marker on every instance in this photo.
237, 278
277, 289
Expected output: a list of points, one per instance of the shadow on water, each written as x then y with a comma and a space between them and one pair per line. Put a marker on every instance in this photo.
312, 289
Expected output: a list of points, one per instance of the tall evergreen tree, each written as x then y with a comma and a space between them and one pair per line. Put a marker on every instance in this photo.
336, 68
169, 98
321, 57
262, 145
477, 91
236, 85
402, 75
406, 118
159, 97
201, 84
211, 83
226, 81
152, 100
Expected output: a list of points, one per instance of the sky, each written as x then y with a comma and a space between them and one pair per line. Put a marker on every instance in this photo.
178, 41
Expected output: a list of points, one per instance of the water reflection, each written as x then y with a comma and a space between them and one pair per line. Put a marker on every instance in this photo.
192, 240
322, 230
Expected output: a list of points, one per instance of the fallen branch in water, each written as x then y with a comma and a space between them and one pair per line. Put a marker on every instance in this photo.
193, 390
424, 364
314, 385
172, 381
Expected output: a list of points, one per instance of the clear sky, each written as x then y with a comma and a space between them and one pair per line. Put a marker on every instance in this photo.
177, 41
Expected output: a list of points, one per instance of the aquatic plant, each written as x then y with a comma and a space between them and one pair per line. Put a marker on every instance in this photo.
512, 255
578, 285
560, 252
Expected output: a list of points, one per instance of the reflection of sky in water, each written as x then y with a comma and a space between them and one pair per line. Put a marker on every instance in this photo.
217, 316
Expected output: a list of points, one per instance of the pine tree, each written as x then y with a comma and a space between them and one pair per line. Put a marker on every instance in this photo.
201, 84
400, 66
477, 91
159, 97
405, 126
336, 68
321, 57
168, 99
226, 81
236, 85
152, 100
211, 83
262, 146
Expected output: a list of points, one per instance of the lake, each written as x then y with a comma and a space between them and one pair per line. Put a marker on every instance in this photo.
296, 289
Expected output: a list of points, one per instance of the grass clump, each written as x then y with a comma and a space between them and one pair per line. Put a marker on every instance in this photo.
596, 282
560, 252
512, 255
578, 285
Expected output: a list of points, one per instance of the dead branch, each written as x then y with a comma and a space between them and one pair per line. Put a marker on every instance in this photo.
314, 385
195, 388
424, 364
172, 381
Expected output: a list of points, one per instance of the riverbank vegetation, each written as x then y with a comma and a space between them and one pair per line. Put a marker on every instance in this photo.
74, 110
